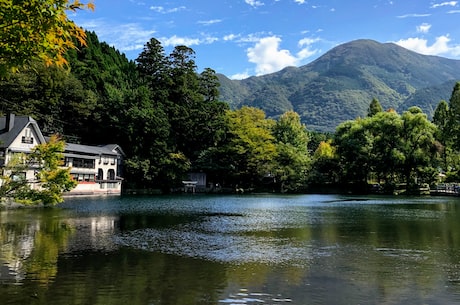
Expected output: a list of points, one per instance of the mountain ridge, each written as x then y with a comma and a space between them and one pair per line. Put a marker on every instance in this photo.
340, 85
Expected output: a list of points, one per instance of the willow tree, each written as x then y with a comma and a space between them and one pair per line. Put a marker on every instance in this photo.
37, 29
417, 147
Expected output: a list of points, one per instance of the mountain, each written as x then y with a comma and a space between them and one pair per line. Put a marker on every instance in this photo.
340, 85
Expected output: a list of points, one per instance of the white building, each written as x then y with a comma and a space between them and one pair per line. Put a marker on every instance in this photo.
96, 168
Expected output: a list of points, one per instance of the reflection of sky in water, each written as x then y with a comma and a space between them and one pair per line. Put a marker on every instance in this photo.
243, 296
278, 230
251, 249
217, 247
93, 233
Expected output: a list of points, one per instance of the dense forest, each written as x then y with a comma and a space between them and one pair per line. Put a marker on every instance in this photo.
169, 120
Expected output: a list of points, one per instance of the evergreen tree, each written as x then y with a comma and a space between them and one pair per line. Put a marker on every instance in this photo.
441, 120
374, 108
454, 117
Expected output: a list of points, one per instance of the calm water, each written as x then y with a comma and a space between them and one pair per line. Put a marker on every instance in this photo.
309, 249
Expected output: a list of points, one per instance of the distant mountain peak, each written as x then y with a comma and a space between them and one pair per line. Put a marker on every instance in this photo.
340, 84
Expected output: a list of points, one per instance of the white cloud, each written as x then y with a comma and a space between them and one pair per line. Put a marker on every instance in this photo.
441, 46
124, 37
424, 28
186, 41
414, 15
254, 3
453, 12
209, 22
300, 1
162, 10
243, 75
307, 51
268, 57
448, 3
230, 37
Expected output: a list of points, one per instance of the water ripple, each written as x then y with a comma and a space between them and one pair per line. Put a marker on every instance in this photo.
217, 247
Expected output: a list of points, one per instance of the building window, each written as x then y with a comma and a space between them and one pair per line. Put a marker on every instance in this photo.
84, 177
27, 137
111, 174
83, 163
100, 174
18, 177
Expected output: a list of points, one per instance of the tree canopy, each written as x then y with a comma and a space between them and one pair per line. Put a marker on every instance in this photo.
170, 121
37, 29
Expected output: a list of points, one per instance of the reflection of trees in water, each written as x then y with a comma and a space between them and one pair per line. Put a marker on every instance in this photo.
30, 244
357, 251
31, 241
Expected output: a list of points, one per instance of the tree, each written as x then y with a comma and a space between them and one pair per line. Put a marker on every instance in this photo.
37, 29
417, 146
153, 67
385, 128
353, 141
325, 165
13, 181
441, 120
52, 179
52, 95
392, 147
374, 108
454, 117
292, 160
250, 150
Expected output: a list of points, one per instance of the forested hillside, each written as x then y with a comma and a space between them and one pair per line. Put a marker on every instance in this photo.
339, 85
170, 120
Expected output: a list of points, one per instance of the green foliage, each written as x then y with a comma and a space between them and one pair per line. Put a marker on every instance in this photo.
169, 119
325, 164
339, 85
394, 148
454, 117
37, 29
292, 161
250, 144
13, 181
50, 182
53, 179
441, 120
374, 107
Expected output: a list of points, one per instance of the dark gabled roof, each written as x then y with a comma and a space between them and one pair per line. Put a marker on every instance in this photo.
89, 150
20, 122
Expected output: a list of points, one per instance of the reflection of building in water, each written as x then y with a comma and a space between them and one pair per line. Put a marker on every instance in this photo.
15, 248
94, 233
22, 245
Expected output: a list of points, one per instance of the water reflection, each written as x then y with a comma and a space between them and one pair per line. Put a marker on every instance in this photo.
31, 242
233, 250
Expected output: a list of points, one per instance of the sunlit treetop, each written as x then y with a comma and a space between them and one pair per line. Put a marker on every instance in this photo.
38, 30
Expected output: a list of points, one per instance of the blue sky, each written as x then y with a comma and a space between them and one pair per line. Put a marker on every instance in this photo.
242, 38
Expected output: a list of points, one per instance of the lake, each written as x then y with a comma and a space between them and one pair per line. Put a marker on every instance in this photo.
248, 249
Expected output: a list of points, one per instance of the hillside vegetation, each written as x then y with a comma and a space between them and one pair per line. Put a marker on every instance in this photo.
339, 85
170, 120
